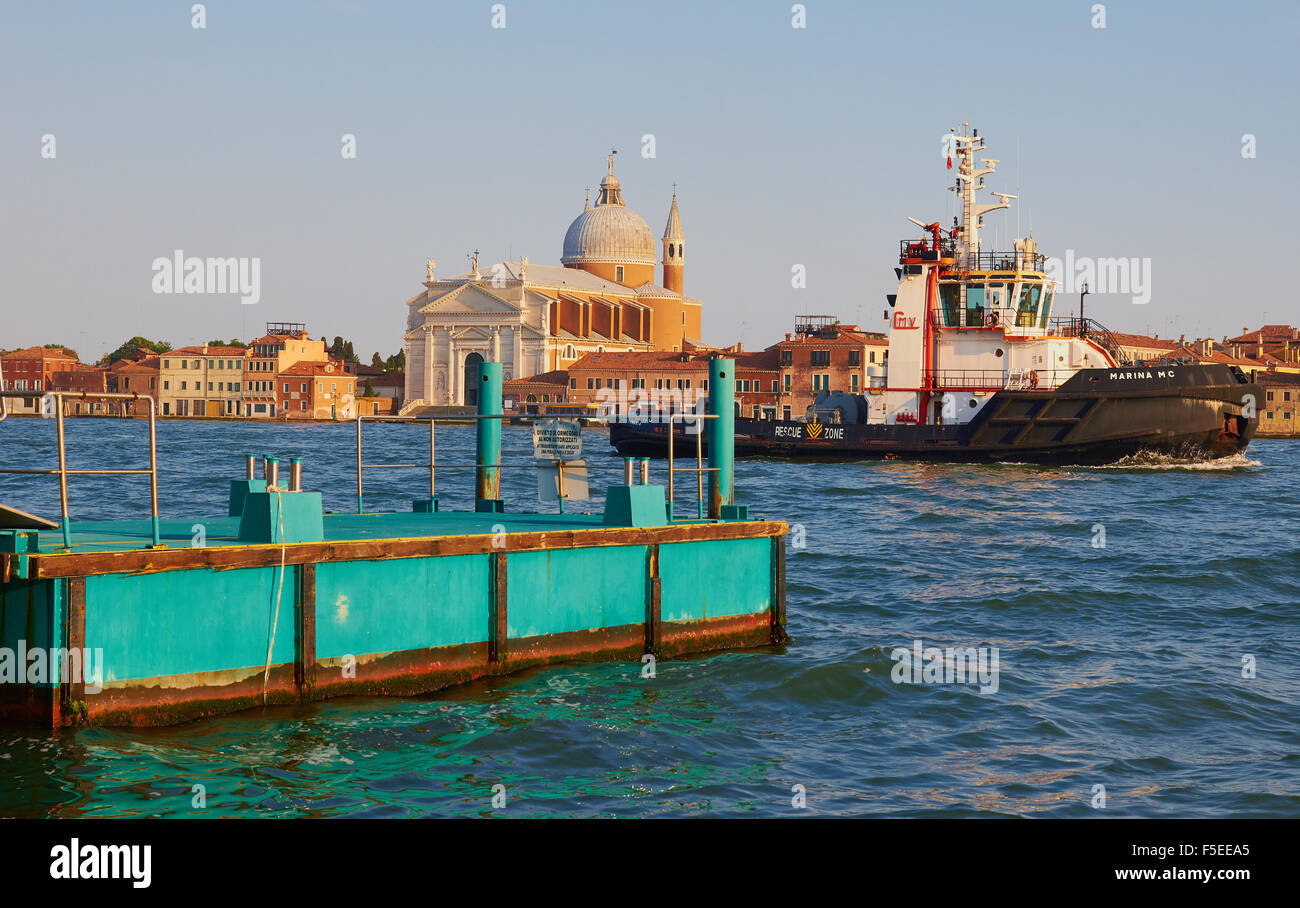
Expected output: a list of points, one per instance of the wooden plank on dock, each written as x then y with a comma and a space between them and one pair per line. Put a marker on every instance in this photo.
304, 663
72, 702
653, 621
145, 561
778, 590
500, 601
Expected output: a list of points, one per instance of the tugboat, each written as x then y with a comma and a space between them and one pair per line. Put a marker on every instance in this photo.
978, 370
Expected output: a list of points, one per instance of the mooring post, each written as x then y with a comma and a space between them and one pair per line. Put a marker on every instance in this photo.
488, 485
722, 434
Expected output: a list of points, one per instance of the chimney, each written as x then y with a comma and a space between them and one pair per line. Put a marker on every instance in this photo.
787, 335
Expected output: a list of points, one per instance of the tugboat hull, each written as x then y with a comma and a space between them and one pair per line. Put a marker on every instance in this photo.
1097, 417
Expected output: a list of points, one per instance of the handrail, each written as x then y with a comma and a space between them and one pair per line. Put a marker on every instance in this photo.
699, 469
63, 472
431, 465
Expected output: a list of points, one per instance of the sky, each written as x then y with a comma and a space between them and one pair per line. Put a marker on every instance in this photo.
789, 146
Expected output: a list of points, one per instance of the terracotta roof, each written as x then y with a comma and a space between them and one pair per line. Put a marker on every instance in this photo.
1278, 378
149, 364
759, 359
554, 377
308, 367
843, 338
1141, 340
1216, 356
41, 353
211, 351
1267, 334
658, 360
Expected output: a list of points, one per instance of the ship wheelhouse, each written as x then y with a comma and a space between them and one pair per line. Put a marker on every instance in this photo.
967, 322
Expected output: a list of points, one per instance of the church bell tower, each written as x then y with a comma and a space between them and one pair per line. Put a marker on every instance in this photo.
674, 243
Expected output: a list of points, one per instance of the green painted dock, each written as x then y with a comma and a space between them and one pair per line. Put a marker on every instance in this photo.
157, 621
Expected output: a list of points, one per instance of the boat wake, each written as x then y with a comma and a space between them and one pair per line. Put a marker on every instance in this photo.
1151, 460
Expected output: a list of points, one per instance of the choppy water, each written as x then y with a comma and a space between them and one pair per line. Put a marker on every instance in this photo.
1119, 666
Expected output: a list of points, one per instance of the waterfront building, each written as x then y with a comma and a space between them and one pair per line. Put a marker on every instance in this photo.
283, 345
33, 369
672, 381
134, 376
1280, 412
316, 390
205, 381
541, 318
823, 354
539, 393
85, 379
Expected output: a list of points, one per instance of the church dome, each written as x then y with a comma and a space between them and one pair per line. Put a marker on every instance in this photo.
609, 232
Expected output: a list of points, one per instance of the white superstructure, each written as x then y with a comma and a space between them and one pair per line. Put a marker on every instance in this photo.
967, 323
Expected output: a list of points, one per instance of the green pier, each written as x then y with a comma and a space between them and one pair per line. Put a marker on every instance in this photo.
277, 602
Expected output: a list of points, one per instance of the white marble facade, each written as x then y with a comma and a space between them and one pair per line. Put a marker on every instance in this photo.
500, 315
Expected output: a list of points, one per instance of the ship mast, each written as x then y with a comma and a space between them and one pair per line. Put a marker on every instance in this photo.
969, 180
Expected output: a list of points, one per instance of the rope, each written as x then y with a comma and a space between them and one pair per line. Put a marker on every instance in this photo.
275, 623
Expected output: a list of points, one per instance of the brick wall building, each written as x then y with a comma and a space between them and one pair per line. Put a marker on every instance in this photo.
1279, 414
824, 354
313, 390
33, 369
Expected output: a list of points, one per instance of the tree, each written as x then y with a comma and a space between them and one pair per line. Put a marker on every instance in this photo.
370, 389
377, 361
233, 342
342, 349
142, 343
64, 347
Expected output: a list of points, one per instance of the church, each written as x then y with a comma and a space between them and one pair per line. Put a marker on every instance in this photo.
538, 318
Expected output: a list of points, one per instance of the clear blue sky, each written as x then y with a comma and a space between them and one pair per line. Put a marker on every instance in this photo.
788, 146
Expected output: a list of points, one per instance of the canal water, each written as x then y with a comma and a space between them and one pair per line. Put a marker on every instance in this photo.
1146, 619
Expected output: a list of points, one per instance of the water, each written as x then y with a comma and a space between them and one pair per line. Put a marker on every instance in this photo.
1119, 666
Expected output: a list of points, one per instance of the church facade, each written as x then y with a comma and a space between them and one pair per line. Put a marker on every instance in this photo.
538, 318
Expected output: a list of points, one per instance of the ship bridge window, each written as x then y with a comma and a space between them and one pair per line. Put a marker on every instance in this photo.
974, 306
1027, 310
1047, 308
998, 296
950, 297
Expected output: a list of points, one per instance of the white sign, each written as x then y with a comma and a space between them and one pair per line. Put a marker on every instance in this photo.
557, 439
572, 485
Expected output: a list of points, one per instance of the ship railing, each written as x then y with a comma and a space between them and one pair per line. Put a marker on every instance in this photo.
924, 250
1001, 261
432, 464
997, 380
1089, 329
52, 406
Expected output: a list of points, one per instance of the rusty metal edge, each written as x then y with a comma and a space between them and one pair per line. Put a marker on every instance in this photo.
416, 672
